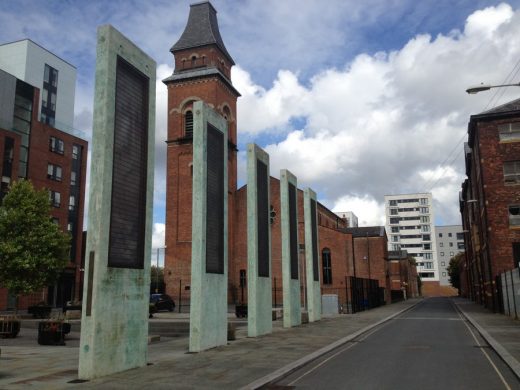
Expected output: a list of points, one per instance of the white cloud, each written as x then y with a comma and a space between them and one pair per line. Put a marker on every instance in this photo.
158, 235
369, 211
377, 125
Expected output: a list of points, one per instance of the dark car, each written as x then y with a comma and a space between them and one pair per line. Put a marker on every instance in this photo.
162, 302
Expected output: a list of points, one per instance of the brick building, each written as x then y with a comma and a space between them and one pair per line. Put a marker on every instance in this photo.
490, 200
202, 72
52, 159
402, 275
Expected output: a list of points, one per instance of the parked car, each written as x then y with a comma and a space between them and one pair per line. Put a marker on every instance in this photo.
162, 302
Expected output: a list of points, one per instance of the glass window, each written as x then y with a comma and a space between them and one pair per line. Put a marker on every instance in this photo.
393, 203
451, 253
512, 172
55, 198
425, 219
460, 245
56, 145
425, 228
451, 244
395, 238
444, 274
450, 235
460, 236
427, 246
393, 211
509, 132
441, 244
54, 172
47, 74
395, 229
73, 178
426, 237
440, 234
514, 215
443, 263
72, 203
75, 152
423, 210
327, 266
424, 201
427, 255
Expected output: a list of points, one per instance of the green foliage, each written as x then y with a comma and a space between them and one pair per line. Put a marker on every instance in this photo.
454, 269
156, 279
33, 249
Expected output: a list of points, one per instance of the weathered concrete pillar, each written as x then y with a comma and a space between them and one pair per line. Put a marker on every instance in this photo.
259, 292
312, 256
114, 324
290, 264
209, 244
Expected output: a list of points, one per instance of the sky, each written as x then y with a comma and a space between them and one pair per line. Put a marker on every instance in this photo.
358, 99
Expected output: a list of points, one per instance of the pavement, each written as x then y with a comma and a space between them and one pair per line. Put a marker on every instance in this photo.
245, 363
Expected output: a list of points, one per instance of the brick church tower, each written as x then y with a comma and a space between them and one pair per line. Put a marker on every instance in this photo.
202, 72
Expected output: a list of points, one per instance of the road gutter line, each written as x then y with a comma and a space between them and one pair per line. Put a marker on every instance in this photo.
291, 367
513, 364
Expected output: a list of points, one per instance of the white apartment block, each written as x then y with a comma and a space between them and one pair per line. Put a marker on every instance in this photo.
351, 218
410, 226
450, 241
55, 78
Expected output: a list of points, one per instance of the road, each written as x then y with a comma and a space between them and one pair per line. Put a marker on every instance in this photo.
428, 347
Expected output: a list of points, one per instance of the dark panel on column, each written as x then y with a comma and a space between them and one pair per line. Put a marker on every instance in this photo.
314, 229
263, 218
215, 202
127, 217
293, 230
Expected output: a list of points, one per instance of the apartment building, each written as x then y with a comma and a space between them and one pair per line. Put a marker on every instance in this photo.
410, 226
450, 241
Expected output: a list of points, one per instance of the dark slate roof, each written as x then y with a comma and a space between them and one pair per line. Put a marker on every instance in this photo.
200, 73
367, 231
507, 107
397, 255
201, 30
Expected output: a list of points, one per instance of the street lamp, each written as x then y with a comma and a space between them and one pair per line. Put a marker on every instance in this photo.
485, 87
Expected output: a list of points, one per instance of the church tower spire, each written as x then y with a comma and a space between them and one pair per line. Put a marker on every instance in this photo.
202, 72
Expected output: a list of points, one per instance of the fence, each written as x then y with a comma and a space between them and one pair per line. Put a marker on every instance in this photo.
508, 286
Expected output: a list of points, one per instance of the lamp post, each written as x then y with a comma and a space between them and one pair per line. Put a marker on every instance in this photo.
485, 87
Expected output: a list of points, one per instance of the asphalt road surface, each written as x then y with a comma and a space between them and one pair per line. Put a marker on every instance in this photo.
428, 347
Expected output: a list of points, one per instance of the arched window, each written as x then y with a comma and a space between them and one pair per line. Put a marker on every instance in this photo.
188, 124
327, 266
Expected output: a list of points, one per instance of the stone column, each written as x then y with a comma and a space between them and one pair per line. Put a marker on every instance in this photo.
209, 245
312, 255
259, 292
290, 263
114, 323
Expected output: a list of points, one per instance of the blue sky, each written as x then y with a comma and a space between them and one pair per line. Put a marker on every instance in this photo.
359, 99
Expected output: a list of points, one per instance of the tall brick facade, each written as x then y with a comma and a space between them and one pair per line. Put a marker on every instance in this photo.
202, 72
490, 200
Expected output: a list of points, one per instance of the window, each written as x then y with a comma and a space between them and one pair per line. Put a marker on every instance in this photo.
423, 210
441, 244
394, 220
327, 266
450, 235
56, 145
516, 253
428, 265
73, 178
56, 221
49, 97
444, 274
424, 201
69, 227
443, 263
425, 228
54, 172
396, 247
427, 256
425, 219
451, 244
427, 247
509, 132
442, 254
395, 229
393, 203
451, 253
440, 235
55, 198
75, 152
460, 245
426, 237
188, 124
72, 203
512, 172
395, 238
393, 211
514, 215
460, 236
427, 274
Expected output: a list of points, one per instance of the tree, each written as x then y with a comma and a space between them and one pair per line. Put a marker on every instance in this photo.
156, 279
33, 249
454, 269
